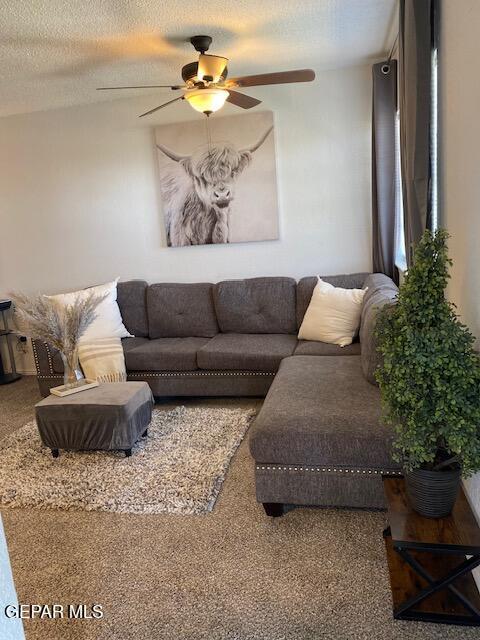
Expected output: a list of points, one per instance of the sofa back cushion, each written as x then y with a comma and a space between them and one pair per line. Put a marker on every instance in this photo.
306, 286
181, 310
381, 291
132, 302
256, 305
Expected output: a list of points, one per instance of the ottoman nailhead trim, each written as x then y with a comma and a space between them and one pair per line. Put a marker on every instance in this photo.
328, 470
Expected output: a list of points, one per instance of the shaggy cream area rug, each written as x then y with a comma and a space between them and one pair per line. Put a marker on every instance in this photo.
179, 468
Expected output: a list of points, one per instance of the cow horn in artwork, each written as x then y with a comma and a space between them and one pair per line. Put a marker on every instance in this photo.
171, 154
260, 141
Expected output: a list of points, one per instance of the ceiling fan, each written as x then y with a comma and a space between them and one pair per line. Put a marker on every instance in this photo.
207, 88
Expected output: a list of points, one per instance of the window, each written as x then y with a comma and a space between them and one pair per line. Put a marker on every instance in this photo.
400, 253
400, 249
434, 141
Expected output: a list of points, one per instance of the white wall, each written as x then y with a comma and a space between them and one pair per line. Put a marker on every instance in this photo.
79, 197
460, 125
79, 200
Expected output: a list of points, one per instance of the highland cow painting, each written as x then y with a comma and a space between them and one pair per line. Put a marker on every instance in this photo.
220, 186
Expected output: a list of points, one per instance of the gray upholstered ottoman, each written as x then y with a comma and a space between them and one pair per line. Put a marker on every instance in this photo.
111, 416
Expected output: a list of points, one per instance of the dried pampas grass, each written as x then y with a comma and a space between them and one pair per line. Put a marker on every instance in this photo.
41, 318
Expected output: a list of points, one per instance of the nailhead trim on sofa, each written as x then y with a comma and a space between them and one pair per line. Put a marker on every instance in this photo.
179, 374
49, 357
35, 357
327, 469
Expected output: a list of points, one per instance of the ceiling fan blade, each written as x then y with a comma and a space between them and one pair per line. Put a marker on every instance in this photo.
241, 100
145, 86
280, 77
165, 104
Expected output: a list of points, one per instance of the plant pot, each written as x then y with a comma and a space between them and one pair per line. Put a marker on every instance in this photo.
433, 493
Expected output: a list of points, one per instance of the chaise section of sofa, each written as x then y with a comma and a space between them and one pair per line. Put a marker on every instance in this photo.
319, 438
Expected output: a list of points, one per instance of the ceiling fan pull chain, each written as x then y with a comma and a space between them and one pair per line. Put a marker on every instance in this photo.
208, 134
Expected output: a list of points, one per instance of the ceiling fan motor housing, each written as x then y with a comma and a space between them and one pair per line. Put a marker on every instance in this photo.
201, 43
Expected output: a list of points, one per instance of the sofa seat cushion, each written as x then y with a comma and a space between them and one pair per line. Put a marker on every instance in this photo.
322, 411
246, 352
314, 348
131, 343
164, 354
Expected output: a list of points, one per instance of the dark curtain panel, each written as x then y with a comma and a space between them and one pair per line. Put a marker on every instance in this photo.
383, 167
415, 49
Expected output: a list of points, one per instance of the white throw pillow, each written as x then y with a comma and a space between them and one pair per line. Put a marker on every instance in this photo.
333, 314
108, 323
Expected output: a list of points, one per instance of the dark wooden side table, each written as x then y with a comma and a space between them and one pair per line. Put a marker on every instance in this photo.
6, 378
430, 560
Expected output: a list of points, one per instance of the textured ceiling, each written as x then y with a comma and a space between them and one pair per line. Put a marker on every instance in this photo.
54, 53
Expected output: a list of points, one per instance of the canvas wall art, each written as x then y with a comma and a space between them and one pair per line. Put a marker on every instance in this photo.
218, 184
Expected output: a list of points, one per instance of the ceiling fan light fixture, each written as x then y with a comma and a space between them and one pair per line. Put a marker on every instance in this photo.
207, 100
211, 68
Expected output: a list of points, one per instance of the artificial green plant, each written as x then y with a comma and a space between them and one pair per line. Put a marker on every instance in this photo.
430, 375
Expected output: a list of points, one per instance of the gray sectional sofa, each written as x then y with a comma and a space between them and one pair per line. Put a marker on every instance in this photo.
224, 339
318, 438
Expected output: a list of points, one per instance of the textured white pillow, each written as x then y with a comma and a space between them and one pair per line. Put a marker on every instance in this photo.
333, 314
108, 323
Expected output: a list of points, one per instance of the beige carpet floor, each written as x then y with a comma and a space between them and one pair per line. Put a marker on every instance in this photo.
233, 574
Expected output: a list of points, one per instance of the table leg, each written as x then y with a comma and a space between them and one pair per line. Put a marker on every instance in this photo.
438, 585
